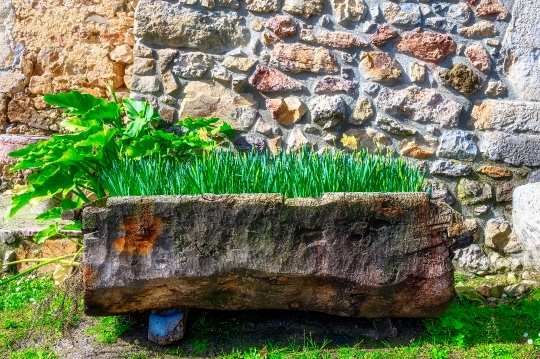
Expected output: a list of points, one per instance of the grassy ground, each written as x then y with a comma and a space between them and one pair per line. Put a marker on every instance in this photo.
39, 321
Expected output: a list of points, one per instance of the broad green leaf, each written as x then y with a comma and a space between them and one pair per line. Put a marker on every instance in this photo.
75, 137
142, 147
70, 156
79, 124
24, 164
75, 102
164, 135
18, 202
53, 213
224, 128
98, 139
40, 177
23, 151
134, 108
46, 233
58, 182
71, 204
75, 226
133, 129
106, 111
194, 124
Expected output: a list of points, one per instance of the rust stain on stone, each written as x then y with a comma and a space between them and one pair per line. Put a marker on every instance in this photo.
142, 230
89, 276
385, 208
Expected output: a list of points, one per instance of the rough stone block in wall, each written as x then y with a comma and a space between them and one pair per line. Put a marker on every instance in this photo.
452, 85
50, 46
520, 49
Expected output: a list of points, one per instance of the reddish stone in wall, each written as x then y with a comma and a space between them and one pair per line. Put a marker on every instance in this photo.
383, 34
282, 25
479, 57
505, 191
10, 143
334, 84
491, 7
427, 45
268, 80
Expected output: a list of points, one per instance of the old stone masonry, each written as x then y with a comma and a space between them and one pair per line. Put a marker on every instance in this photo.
452, 84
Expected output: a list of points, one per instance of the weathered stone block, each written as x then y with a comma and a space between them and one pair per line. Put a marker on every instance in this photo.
303, 58
401, 15
513, 149
526, 216
144, 84
383, 34
305, 8
212, 99
520, 49
459, 145
472, 192
265, 79
166, 326
350, 254
506, 116
348, 10
379, 66
330, 84
427, 45
449, 168
328, 111
479, 29
263, 5
286, 111
11, 82
420, 105
172, 25
461, 78
472, 259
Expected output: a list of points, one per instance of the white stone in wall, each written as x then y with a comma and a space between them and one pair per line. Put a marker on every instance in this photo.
208, 99
348, 10
7, 21
507, 116
526, 216
521, 49
420, 105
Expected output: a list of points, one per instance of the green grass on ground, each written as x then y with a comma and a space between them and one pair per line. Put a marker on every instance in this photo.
510, 330
109, 329
32, 316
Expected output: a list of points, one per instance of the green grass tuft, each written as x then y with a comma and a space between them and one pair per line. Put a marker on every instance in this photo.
33, 311
34, 354
300, 174
109, 329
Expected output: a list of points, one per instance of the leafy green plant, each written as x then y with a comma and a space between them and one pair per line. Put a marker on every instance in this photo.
299, 174
65, 167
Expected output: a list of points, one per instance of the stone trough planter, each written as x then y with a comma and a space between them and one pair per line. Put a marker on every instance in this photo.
369, 255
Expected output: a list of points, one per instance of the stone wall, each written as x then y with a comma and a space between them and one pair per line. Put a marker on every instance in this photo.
452, 84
